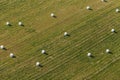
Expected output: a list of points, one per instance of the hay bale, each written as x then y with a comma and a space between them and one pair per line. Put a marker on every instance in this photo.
88, 8
12, 55
52, 15
20, 23
117, 10
2, 47
43, 51
113, 30
8, 23
89, 54
107, 51
66, 34
37, 63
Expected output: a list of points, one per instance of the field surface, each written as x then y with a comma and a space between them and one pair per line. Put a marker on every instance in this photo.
66, 59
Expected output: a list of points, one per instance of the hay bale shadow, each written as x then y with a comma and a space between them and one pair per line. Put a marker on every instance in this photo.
54, 16
110, 53
105, 1
5, 49
22, 25
14, 57
68, 35
115, 32
40, 65
46, 53
91, 9
92, 56
9, 25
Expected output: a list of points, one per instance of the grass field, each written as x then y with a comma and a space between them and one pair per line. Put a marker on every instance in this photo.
90, 31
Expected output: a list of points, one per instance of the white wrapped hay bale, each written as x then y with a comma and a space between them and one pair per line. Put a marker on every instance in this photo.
20, 23
43, 51
66, 34
52, 15
2, 47
37, 63
88, 8
8, 23
107, 50
112, 30
12, 55
117, 10
89, 54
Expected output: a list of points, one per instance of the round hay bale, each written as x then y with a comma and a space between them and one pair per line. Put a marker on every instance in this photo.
20, 23
37, 63
2, 47
107, 51
117, 10
89, 54
66, 34
52, 15
88, 8
12, 55
8, 23
43, 51
113, 30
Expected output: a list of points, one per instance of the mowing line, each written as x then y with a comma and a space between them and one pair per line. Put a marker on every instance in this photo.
88, 48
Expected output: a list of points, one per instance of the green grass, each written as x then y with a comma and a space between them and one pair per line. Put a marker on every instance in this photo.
67, 57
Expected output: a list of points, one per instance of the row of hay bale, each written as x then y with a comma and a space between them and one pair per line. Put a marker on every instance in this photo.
4, 48
13, 56
44, 52
65, 34
9, 24
90, 54
38, 63
89, 8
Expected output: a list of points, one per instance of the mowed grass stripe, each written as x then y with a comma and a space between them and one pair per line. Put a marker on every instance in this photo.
105, 67
113, 58
60, 66
113, 71
54, 76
